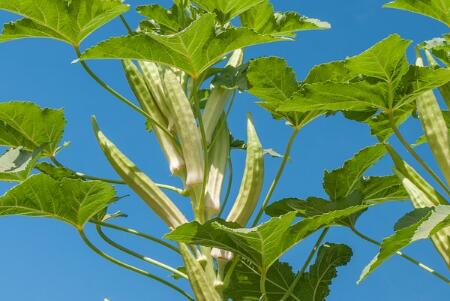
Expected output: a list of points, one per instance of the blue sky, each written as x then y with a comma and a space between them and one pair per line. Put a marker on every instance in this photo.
44, 260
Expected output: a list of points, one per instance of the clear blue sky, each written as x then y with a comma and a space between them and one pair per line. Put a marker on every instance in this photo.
44, 260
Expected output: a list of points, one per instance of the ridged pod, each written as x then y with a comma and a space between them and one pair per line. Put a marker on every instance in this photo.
201, 285
187, 130
435, 128
218, 157
147, 102
153, 79
141, 184
218, 99
252, 181
423, 195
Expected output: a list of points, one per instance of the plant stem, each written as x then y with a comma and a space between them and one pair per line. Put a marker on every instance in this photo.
130, 267
262, 286
306, 264
229, 184
414, 154
137, 255
409, 258
137, 233
125, 23
120, 96
278, 175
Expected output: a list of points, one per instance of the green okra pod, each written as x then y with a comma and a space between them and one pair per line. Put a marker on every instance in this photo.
148, 104
187, 130
218, 99
201, 285
218, 161
141, 184
252, 181
435, 128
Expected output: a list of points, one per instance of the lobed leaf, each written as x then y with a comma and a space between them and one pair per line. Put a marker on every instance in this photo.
192, 50
16, 164
70, 21
68, 200
227, 9
437, 9
24, 124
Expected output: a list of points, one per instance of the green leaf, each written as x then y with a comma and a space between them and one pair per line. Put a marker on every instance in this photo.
408, 232
24, 124
68, 200
385, 61
16, 164
329, 96
262, 245
334, 71
227, 9
167, 20
193, 50
263, 19
274, 82
341, 182
437, 9
380, 125
312, 286
69, 21
439, 47
380, 189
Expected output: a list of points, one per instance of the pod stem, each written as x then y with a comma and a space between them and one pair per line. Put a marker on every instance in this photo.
278, 175
132, 253
409, 258
137, 233
125, 23
413, 153
118, 95
130, 267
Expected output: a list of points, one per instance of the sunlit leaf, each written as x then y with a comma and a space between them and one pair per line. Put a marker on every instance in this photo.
70, 21
24, 124
263, 19
312, 286
193, 50
437, 9
227, 9
16, 164
56, 172
68, 200
415, 226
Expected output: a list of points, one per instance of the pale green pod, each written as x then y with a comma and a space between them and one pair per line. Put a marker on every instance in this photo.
218, 157
435, 128
252, 181
423, 195
147, 102
141, 184
187, 130
203, 288
153, 79
218, 99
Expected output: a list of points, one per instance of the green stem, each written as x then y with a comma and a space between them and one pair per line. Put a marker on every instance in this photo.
130, 267
305, 265
278, 175
125, 23
414, 154
120, 96
409, 258
137, 233
137, 255
262, 286
229, 185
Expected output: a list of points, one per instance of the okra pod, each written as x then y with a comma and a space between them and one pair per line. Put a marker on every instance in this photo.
435, 128
147, 102
187, 130
153, 79
252, 181
140, 183
218, 99
203, 288
218, 162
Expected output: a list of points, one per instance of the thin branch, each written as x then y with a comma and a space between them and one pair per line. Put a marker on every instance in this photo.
137, 255
278, 175
130, 267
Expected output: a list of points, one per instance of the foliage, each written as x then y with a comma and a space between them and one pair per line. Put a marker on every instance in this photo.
185, 66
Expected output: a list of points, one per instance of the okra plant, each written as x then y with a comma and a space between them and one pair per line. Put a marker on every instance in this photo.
185, 66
